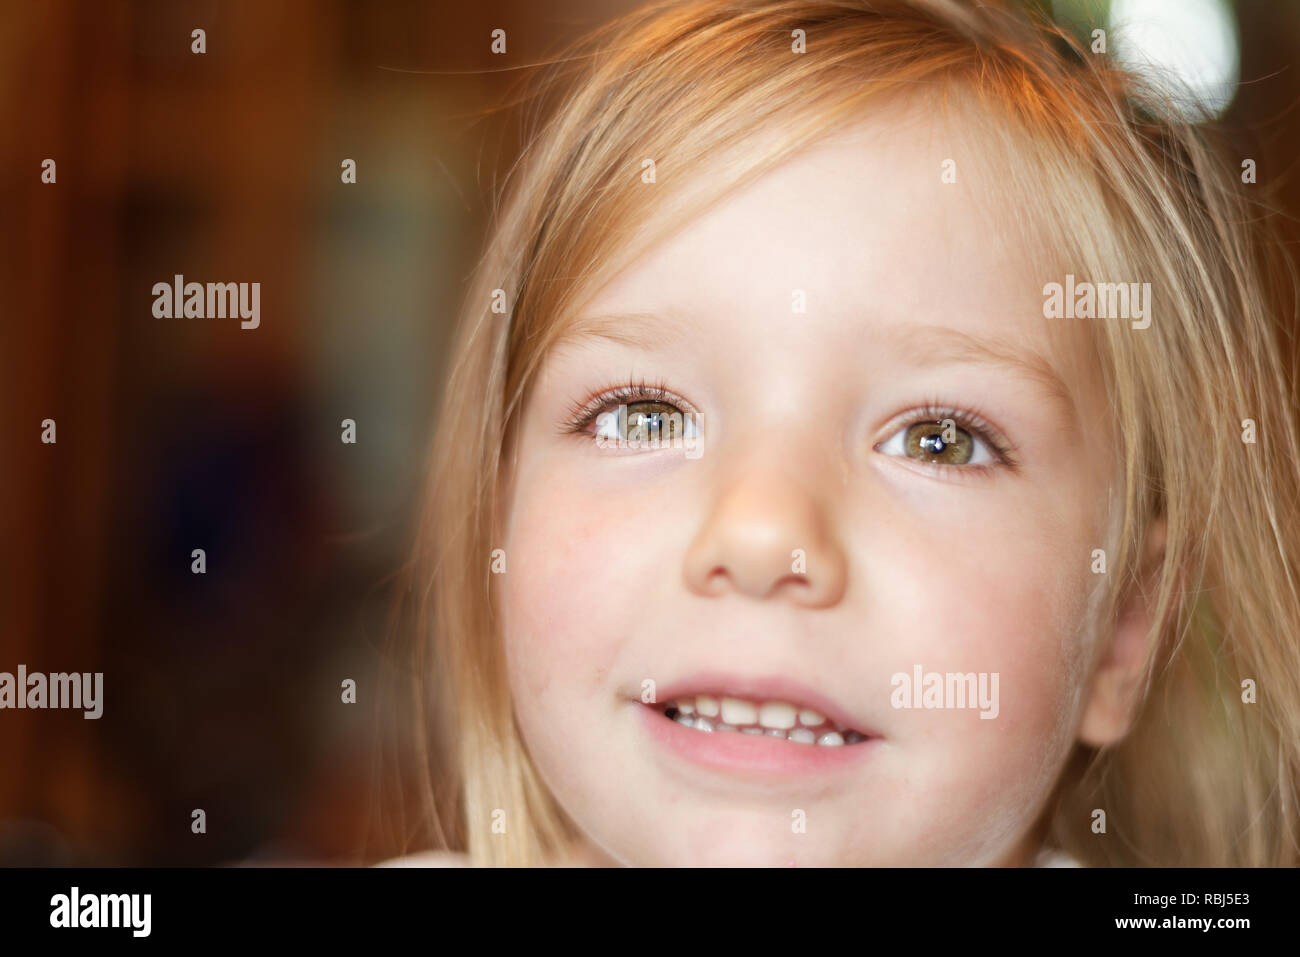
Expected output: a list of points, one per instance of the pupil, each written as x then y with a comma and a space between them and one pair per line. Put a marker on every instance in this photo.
933, 444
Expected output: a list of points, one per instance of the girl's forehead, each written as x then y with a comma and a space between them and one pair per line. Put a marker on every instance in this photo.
902, 221
907, 189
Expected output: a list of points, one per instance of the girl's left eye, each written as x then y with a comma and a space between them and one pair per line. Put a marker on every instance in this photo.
942, 440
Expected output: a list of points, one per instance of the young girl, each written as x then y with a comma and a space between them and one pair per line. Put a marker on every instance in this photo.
869, 442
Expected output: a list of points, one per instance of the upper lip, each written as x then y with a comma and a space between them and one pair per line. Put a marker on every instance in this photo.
760, 688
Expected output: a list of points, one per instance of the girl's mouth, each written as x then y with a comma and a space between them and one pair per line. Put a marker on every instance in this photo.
772, 730
772, 719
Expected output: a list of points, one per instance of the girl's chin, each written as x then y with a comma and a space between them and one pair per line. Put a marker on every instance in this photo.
740, 850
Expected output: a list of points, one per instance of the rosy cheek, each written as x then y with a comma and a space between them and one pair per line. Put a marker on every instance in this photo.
965, 612
561, 560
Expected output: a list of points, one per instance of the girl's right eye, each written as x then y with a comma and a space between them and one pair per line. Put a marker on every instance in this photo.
636, 415
643, 422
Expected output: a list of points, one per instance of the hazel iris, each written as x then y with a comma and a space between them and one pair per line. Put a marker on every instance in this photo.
940, 442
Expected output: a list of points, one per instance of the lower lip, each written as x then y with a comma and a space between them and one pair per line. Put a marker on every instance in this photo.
754, 754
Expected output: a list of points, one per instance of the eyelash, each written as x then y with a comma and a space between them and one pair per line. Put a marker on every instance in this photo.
583, 412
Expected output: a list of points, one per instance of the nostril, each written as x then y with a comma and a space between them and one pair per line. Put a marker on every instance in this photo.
797, 579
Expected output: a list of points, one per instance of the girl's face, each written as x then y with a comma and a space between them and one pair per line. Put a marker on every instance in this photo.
829, 538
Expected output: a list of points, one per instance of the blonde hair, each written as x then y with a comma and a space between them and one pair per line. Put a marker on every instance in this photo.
1203, 778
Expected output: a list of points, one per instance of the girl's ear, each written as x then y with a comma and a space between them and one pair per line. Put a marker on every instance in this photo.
1117, 681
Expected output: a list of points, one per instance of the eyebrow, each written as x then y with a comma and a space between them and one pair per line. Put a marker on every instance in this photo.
917, 344
931, 343
639, 330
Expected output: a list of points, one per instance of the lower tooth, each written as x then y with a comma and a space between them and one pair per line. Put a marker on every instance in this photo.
832, 739
801, 736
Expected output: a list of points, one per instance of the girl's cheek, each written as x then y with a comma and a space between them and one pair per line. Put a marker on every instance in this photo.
568, 575
1001, 600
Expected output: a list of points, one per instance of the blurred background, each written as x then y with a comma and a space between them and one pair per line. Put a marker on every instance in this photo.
222, 690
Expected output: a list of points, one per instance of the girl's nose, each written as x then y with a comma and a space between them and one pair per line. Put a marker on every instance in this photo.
768, 536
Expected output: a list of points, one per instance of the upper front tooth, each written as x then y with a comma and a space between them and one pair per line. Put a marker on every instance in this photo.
810, 719
735, 711
776, 714
706, 706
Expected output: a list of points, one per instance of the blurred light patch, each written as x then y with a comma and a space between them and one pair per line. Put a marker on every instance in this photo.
1187, 50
